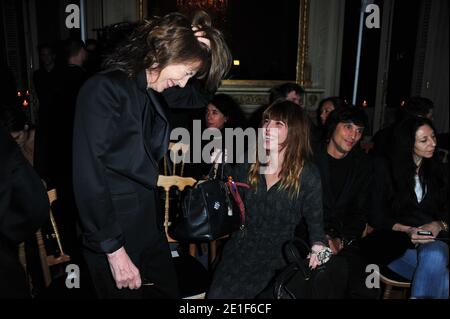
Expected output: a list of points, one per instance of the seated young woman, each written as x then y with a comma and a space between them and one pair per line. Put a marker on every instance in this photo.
283, 190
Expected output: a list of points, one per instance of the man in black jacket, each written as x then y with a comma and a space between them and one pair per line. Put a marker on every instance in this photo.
24, 208
346, 174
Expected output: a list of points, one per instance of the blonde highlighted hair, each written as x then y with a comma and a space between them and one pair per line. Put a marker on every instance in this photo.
297, 145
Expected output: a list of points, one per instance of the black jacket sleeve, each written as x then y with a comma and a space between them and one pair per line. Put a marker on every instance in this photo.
190, 97
312, 208
24, 203
98, 110
359, 204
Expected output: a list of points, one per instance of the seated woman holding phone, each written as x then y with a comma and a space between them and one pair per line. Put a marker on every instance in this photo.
417, 206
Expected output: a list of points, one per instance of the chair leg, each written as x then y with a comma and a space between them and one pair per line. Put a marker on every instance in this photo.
193, 250
212, 253
387, 292
405, 293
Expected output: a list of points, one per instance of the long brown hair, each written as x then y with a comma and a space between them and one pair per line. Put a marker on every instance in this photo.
297, 145
161, 41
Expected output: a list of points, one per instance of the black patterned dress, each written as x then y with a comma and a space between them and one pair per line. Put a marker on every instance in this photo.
253, 256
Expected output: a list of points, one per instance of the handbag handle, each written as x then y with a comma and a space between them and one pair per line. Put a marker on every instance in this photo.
232, 186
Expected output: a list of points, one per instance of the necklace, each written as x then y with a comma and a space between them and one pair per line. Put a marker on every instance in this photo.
417, 161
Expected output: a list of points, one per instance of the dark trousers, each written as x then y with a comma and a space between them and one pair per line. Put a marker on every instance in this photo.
155, 266
356, 266
13, 281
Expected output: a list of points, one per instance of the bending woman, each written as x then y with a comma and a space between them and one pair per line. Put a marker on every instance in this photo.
121, 133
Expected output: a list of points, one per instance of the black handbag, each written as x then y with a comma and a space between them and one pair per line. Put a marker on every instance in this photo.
298, 281
209, 211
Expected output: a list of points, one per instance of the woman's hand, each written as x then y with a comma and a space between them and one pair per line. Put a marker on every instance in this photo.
123, 270
319, 255
419, 239
201, 36
434, 227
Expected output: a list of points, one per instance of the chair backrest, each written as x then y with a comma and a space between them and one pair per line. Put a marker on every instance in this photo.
390, 281
177, 151
189, 270
52, 196
167, 182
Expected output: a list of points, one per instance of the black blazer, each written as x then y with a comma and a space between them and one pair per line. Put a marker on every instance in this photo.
348, 213
385, 245
410, 212
24, 203
24, 208
121, 132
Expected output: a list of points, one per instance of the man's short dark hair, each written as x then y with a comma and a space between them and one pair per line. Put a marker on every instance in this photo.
43, 46
281, 91
72, 47
347, 114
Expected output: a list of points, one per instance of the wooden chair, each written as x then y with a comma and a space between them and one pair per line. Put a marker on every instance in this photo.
395, 286
47, 261
52, 260
174, 151
192, 276
167, 182
177, 151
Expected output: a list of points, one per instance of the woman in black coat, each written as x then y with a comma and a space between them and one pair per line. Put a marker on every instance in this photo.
415, 207
224, 114
24, 208
121, 133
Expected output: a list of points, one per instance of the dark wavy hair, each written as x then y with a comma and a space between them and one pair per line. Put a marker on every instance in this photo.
161, 41
281, 91
403, 167
228, 106
337, 102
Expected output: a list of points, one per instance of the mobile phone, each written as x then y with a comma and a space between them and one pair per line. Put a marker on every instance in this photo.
424, 233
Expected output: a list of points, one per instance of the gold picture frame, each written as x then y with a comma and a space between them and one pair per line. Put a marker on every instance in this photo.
303, 68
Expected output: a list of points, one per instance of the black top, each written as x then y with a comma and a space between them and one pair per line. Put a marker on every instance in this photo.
434, 205
346, 209
252, 257
340, 169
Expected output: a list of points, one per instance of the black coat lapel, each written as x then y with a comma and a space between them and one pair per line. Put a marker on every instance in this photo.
156, 127
326, 183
